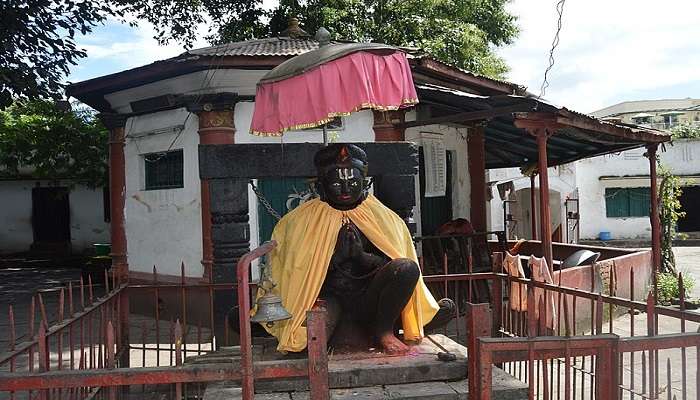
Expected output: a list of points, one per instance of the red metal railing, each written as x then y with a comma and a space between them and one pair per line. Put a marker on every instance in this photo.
176, 327
89, 354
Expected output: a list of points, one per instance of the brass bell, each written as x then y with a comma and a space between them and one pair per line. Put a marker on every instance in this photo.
270, 309
269, 305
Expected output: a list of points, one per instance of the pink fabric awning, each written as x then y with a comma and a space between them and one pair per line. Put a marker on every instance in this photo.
361, 80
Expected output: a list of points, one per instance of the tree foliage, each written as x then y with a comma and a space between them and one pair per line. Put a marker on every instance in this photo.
460, 32
37, 44
40, 139
686, 131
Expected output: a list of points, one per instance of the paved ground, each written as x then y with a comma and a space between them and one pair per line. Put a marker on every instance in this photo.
688, 260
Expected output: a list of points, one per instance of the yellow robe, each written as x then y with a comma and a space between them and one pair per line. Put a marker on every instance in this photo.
306, 240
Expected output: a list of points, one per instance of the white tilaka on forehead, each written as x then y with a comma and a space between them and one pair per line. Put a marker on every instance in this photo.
346, 173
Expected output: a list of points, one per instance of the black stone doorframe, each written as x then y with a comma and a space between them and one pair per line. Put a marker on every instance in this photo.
229, 168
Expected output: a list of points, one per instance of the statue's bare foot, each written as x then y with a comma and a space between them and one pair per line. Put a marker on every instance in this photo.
392, 345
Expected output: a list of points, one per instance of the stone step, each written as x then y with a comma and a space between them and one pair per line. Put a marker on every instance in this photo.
505, 387
368, 374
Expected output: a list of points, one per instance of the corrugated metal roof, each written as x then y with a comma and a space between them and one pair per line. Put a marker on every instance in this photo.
580, 135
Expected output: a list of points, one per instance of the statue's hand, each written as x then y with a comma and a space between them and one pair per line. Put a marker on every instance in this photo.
350, 245
356, 249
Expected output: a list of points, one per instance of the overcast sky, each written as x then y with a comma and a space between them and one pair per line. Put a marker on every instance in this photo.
610, 51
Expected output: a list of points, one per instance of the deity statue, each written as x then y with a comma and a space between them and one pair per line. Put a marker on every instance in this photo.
349, 250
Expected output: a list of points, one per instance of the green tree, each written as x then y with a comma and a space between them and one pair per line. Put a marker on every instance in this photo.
686, 131
37, 44
52, 143
463, 33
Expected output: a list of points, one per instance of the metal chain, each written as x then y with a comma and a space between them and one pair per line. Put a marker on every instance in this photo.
265, 202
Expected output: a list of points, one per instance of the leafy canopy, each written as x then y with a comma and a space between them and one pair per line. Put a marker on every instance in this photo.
37, 138
460, 32
37, 44
38, 37
686, 131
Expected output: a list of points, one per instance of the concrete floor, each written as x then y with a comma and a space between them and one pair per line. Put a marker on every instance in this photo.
688, 260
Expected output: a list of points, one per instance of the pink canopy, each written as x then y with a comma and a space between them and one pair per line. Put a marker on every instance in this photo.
377, 80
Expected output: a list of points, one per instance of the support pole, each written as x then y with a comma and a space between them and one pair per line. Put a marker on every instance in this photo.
477, 175
387, 126
117, 188
545, 217
654, 214
216, 126
533, 208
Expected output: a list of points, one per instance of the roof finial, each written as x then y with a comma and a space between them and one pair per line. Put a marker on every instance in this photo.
293, 30
323, 37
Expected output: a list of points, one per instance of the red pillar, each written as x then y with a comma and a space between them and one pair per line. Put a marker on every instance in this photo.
215, 127
654, 215
477, 175
533, 202
545, 216
117, 188
384, 128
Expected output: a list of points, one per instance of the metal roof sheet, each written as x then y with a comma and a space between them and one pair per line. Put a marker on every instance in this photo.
580, 136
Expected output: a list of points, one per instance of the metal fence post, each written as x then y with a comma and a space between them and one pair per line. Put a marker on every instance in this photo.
497, 289
483, 374
318, 355
606, 371
124, 356
478, 325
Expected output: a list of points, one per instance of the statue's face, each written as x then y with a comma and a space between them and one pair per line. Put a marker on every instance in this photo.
343, 187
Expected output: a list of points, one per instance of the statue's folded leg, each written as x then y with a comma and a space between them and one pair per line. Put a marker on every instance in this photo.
387, 295
333, 311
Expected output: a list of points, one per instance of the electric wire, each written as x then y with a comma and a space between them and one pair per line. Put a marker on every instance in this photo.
206, 82
555, 44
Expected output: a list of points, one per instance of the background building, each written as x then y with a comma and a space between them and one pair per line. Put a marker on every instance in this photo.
659, 114
609, 193
58, 216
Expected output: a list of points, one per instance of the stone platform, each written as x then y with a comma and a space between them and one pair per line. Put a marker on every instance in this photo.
371, 375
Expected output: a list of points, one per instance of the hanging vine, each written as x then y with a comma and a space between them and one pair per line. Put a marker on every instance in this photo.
670, 211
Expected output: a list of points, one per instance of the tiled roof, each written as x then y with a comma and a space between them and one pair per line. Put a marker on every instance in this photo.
277, 46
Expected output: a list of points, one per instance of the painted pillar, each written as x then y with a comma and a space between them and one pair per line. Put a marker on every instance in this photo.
654, 214
384, 128
533, 202
117, 188
545, 216
215, 127
477, 176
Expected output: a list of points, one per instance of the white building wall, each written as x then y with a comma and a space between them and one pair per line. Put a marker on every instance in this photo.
629, 169
163, 227
87, 225
16, 232
87, 219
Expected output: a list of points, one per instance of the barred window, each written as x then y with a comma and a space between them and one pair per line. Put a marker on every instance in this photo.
164, 170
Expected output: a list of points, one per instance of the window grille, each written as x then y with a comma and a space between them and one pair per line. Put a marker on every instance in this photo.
164, 170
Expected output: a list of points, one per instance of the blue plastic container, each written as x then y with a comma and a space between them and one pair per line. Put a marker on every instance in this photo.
604, 235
